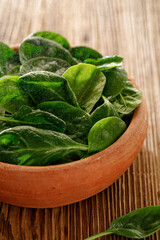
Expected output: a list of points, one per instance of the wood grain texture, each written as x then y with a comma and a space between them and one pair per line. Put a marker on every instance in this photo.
128, 28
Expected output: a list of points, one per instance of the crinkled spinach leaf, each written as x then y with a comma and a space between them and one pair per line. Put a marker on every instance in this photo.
52, 36
116, 79
103, 111
106, 62
87, 82
40, 47
82, 53
31, 146
11, 95
127, 100
77, 121
104, 133
44, 86
55, 65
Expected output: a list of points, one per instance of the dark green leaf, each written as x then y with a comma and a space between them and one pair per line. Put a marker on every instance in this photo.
30, 146
140, 224
103, 111
106, 62
127, 100
77, 121
41, 47
44, 86
104, 133
55, 65
11, 95
52, 36
87, 82
82, 53
116, 79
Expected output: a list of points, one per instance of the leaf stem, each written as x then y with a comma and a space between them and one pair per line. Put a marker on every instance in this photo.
99, 235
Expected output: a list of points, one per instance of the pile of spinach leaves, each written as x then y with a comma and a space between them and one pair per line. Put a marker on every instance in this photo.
59, 104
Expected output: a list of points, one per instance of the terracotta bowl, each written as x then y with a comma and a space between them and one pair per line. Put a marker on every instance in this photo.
53, 186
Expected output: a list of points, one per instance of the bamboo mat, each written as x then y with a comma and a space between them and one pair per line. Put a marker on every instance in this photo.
129, 28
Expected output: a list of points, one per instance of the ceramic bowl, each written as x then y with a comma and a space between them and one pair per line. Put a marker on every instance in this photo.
53, 186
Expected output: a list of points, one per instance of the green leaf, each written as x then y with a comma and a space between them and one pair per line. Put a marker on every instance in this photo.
44, 86
36, 118
127, 100
87, 82
82, 53
106, 62
11, 95
104, 133
52, 36
8, 59
103, 111
14, 71
77, 121
116, 79
140, 224
55, 65
40, 47
31, 146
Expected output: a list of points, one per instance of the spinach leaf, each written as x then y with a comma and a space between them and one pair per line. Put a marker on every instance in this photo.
87, 82
140, 224
82, 53
30, 146
77, 121
15, 71
116, 79
104, 133
103, 111
52, 36
36, 118
127, 100
11, 95
44, 86
40, 47
8, 59
106, 62
55, 65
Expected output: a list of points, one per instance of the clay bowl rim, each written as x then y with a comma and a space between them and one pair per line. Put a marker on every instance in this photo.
116, 145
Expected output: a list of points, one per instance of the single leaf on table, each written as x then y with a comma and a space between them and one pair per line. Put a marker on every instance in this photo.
106, 62
138, 224
82, 53
44, 86
31, 146
12, 97
128, 99
40, 47
52, 36
87, 82
103, 111
78, 122
36, 118
55, 65
104, 133
116, 79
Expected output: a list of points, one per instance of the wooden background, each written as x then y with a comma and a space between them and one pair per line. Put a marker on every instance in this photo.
129, 28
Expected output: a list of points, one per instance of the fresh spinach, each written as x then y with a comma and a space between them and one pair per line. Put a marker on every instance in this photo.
116, 79
15, 71
128, 99
40, 47
82, 53
42, 86
140, 224
87, 82
53, 36
104, 133
55, 65
78, 122
30, 146
106, 62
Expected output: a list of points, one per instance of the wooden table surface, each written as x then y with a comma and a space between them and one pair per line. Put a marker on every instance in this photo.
129, 28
